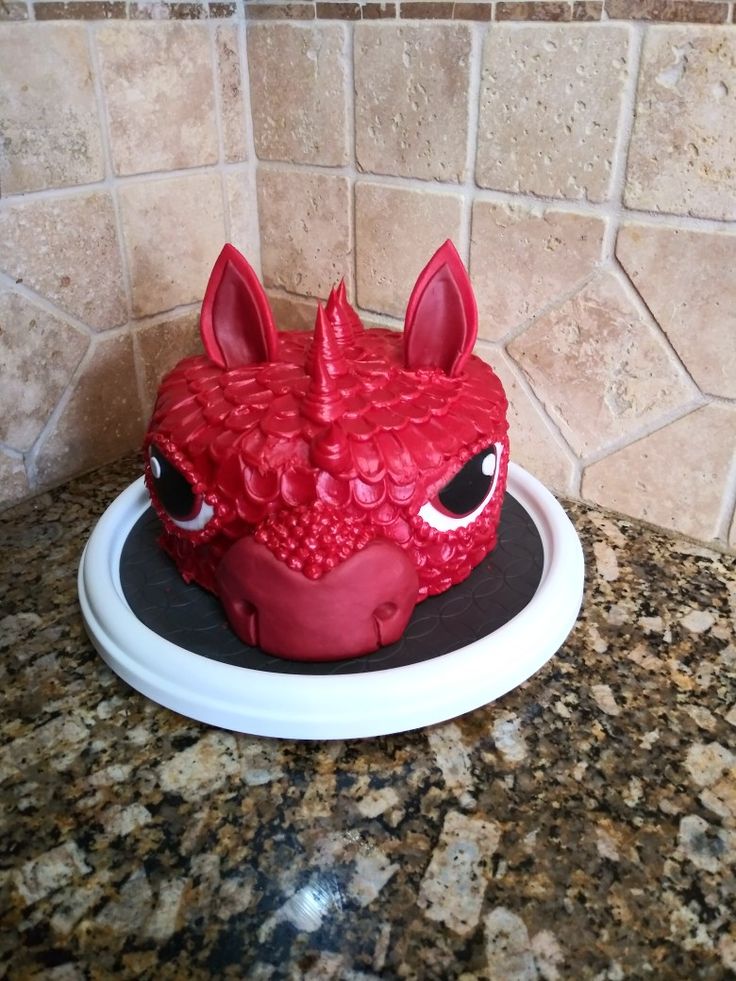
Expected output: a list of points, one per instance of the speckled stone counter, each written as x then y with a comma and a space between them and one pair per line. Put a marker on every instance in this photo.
581, 827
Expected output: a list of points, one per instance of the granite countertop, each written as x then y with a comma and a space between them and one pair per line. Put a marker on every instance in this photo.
583, 826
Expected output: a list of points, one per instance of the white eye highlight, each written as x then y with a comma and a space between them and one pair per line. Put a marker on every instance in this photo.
476, 481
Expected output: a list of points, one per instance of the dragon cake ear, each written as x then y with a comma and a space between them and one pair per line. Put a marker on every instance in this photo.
441, 322
236, 322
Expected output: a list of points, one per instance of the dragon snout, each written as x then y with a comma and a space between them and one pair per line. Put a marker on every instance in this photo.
361, 604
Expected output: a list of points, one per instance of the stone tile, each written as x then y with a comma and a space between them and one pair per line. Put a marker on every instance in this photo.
51, 131
13, 10
80, 10
683, 146
687, 280
411, 99
528, 10
66, 249
534, 443
338, 11
174, 230
298, 90
38, 356
279, 11
692, 11
101, 421
600, 371
426, 9
549, 109
232, 110
675, 477
292, 313
732, 533
158, 87
305, 231
397, 231
13, 480
161, 346
522, 260
242, 203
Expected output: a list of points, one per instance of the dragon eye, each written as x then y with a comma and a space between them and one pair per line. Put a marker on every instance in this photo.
464, 497
187, 509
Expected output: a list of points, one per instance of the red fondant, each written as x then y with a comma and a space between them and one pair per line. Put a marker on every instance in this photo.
317, 453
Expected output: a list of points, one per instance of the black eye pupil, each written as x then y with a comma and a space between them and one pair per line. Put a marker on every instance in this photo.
172, 487
470, 485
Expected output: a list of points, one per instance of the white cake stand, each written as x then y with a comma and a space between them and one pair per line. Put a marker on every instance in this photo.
306, 706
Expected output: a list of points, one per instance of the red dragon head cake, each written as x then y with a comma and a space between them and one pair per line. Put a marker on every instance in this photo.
322, 484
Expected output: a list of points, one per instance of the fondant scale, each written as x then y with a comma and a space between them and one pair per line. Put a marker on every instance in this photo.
323, 483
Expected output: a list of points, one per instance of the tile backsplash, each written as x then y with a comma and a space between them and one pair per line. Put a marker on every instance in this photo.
580, 155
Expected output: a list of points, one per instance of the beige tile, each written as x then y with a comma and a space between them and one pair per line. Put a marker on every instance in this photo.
397, 232
600, 371
242, 202
305, 231
298, 82
101, 421
13, 480
688, 281
732, 534
51, 131
674, 478
411, 109
174, 230
522, 260
38, 355
162, 346
158, 86
683, 148
549, 109
533, 441
66, 249
232, 110
292, 313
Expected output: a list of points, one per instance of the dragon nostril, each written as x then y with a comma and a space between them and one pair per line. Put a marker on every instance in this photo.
385, 611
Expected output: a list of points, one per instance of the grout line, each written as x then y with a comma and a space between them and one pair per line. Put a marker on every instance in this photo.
646, 314
215, 60
530, 201
32, 455
253, 220
627, 113
38, 300
14, 454
641, 432
557, 301
475, 68
547, 421
104, 117
348, 54
727, 514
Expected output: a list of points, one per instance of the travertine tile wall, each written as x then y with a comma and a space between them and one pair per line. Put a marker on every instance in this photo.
585, 170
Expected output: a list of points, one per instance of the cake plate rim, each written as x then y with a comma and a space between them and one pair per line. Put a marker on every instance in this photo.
341, 706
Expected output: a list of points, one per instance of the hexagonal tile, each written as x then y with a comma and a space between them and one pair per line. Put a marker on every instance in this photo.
102, 419
599, 369
37, 360
66, 249
522, 260
676, 477
687, 280
534, 443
